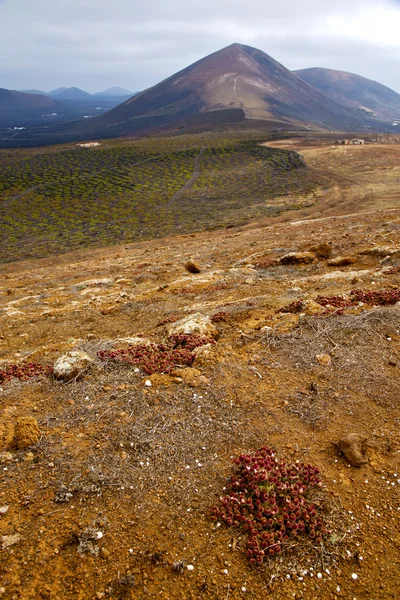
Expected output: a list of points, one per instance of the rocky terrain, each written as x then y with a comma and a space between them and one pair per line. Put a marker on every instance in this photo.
110, 469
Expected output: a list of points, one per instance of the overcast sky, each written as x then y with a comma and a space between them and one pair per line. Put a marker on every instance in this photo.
95, 44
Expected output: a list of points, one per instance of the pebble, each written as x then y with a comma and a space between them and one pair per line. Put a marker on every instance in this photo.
5, 457
354, 576
190, 567
4, 510
147, 383
104, 553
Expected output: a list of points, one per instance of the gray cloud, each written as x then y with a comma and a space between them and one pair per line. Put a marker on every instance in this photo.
98, 43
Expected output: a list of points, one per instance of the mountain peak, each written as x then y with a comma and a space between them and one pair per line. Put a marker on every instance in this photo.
235, 83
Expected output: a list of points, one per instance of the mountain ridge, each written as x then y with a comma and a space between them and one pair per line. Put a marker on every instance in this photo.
354, 91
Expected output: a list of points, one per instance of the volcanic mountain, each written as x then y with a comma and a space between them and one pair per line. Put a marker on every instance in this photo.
72, 93
236, 83
354, 91
17, 108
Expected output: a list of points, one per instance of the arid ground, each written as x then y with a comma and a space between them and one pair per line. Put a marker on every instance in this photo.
113, 498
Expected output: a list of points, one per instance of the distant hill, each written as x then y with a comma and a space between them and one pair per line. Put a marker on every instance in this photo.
17, 108
115, 91
354, 91
236, 83
33, 92
72, 93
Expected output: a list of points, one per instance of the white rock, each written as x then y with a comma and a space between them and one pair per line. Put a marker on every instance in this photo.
190, 567
195, 323
147, 383
135, 341
94, 283
9, 540
4, 510
5, 457
354, 576
72, 365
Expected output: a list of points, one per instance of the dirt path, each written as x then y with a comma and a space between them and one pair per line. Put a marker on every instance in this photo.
190, 182
352, 187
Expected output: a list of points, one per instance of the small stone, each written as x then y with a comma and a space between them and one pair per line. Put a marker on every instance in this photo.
4, 510
342, 261
148, 383
353, 448
194, 324
294, 258
5, 457
354, 576
192, 267
323, 359
72, 365
104, 553
190, 567
29, 456
9, 540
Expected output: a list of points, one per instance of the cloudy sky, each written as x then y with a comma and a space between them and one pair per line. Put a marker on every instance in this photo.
95, 44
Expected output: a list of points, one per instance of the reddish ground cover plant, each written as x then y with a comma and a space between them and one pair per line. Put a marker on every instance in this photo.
159, 358
24, 371
392, 270
294, 307
268, 499
376, 297
219, 317
334, 301
167, 320
266, 263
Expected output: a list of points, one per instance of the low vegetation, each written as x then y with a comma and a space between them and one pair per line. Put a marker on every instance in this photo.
58, 199
268, 499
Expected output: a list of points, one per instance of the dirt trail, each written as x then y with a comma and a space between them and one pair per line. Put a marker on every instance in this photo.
190, 182
351, 188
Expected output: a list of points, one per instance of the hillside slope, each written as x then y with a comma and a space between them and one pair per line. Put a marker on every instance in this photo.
108, 480
354, 91
18, 108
